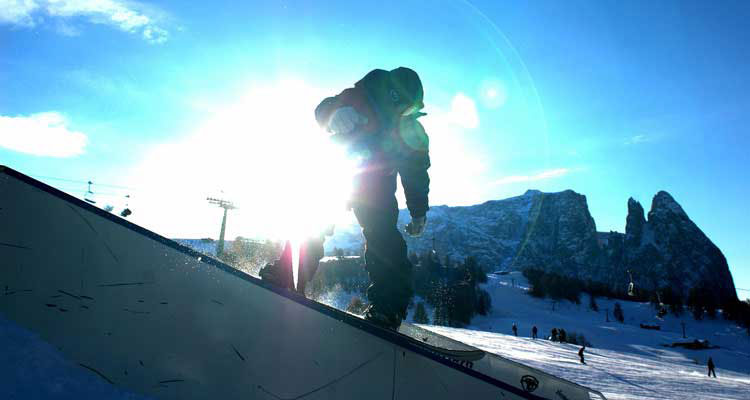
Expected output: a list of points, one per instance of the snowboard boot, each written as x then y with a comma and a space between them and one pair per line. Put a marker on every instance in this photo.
280, 272
275, 274
382, 319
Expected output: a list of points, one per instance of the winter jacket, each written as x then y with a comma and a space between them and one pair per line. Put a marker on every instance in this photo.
388, 141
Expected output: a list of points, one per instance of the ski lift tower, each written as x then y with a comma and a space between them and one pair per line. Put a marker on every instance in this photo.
226, 205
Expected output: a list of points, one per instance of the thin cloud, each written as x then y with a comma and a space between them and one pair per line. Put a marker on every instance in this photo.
549, 174
637, 139
17, 12
43, 134
126, 16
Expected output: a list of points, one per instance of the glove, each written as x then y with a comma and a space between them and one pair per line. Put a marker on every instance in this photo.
345, 119
415, 228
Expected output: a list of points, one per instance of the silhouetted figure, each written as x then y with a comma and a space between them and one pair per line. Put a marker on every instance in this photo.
515, 329
310, 253
280, 272
711, 367
533, 332
553, 337
377, 122
580, 354
562, 336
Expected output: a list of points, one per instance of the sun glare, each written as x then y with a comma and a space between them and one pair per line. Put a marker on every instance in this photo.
266, 154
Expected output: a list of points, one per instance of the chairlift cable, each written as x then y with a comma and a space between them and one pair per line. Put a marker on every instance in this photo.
83, 182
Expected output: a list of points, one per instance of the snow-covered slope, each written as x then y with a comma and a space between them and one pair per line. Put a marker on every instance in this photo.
205, 246
625, 362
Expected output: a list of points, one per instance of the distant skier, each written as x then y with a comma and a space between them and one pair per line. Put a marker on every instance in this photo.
580, 354
515, 329
377, 121
711, 367
553, 336
562, 336
533, 332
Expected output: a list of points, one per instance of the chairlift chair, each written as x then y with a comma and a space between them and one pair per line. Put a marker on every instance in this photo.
126, 211
631, 286
88, 195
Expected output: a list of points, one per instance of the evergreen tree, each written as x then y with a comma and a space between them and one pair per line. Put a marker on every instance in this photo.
484, 303
473, 268
420, 314
338, 253
440, 312
618, 314
672, 300
696, 302
462, 303
592, 303
534, 277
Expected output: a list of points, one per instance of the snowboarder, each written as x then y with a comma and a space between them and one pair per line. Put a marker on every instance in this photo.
515, 329
377, 121
580, 354
533, 332
553, 336
711, 367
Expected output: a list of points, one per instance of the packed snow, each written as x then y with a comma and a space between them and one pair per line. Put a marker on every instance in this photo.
625, 361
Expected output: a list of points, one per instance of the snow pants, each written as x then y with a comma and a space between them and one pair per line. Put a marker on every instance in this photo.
376, 208
310, 253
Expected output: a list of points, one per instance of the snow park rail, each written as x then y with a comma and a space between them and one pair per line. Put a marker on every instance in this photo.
154, 317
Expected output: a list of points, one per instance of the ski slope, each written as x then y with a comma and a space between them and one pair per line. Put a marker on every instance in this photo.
626, 362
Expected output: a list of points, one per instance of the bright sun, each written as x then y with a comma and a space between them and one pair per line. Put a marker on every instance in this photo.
266, 154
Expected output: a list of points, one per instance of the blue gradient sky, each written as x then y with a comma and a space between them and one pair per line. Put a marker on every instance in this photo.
610, 99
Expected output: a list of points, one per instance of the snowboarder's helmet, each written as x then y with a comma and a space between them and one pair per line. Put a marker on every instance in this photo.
408, 88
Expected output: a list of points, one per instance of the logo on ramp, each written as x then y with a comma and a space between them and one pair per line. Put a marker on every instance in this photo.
529, 383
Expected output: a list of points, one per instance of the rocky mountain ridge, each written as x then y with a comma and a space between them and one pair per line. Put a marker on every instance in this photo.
555, 232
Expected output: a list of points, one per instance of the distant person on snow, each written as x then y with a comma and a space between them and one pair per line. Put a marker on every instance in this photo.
377, 122
562, 336
515, 329
711, 367
533, 332
580, 354
553, 336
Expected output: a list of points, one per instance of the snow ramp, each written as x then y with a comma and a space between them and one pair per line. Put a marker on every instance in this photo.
157, 318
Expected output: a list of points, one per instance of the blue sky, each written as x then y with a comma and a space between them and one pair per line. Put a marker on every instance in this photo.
170, 102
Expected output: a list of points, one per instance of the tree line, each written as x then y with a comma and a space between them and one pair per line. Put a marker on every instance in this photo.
699, 302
